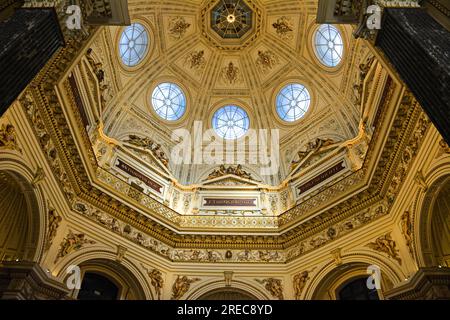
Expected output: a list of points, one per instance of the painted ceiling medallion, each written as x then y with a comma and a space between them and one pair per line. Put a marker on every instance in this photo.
231, 19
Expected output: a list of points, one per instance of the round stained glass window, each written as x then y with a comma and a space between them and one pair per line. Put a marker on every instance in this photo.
329, 45
169, 101
293, 102
231, 122
133, 44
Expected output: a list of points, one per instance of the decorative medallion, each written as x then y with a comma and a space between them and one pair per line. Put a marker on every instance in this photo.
178, 27
266, 60
284, 28
231, 19
196, 60
231, 73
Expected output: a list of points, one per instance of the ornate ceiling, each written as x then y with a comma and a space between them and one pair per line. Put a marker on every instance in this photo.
248, 68
342, 164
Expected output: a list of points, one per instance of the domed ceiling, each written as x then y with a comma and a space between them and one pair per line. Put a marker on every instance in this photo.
170, 80
220, 53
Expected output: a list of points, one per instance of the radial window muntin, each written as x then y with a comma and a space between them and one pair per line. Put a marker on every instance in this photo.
230, 122
329, 46
293, 102
169, 101
133, 44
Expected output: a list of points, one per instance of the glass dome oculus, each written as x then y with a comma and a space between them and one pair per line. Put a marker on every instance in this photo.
231, 122
293, 102
169, 101
329, 45
133, 44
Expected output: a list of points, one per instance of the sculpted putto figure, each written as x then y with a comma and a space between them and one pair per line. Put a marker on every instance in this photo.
149, 144
8, 137
299, 283
181, 286
311, 148
237, 171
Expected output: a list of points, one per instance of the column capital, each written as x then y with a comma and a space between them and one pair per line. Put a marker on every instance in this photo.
28, 281
425, 284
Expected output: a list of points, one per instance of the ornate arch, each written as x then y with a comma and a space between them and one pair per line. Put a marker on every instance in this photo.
331, 276
423, 234
215, 285
98, 260
22, 176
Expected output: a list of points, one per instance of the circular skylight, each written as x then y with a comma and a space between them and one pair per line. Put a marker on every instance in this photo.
169, 101
293, 102
231, 122
329, 45
133, 44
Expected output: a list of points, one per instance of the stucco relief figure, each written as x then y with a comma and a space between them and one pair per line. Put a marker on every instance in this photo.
149, 144
53, 223
196, 60
157, 281
299, 283
364, 69
157, 151
274, 286
311, 148
223, 171
178, 27
8, 139
106, 93
386, 245
407, 230
145, 143
284, 28
266, 60
96, 66
71, 243
231, 73
182, 285
218, 172
444, 149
